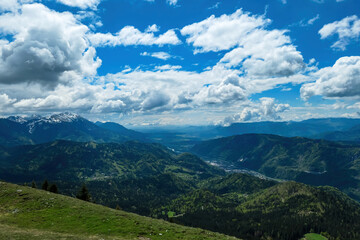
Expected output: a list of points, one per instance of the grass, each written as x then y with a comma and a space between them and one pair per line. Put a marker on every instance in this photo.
27, 213
314, 236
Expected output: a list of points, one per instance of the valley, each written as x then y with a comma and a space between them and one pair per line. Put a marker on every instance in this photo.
240, 185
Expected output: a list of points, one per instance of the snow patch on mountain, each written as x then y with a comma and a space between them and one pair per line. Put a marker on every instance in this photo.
34, 121
17, 119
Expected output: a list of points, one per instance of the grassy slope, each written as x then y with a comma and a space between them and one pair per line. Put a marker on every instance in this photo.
26, 213
314, 236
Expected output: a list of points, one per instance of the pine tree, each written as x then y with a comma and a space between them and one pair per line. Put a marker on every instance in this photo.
33, 184
53, 188
84, 194
45, 185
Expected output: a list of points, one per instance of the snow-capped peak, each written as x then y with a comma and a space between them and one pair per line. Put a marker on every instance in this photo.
17, 119
35, 121
63, 117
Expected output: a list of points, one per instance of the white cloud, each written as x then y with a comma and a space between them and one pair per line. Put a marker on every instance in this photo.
228, 91
172, 2
313, 20
265, 54
153, 28
5, 101
347, 29
83, 4
354, 106
215, 6
351, 115
47, 47
168, 67
8, 5
54, 49
159, 55
340, 80
130, 35
222, 33
12, 5
265, 109
132, 91
256, 51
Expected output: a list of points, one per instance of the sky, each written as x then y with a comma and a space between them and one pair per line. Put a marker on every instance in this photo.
180, 62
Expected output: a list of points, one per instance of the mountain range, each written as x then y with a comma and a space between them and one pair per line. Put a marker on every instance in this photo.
17, 130
183, 138
123, 169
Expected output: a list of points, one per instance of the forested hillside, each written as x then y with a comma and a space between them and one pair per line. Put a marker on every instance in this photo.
315, 162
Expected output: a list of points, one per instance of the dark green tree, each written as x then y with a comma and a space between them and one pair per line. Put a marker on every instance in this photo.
53, 188
84, 194
45, 185
33, 184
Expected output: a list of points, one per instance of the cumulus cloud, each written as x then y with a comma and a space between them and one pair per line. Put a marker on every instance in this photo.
159, 55
54, 49
222, 33
8, 5
163, 88
153, 28
154, 100
265, 54
258, 52
265, 109
47, 47
347, 29
354, 106
12, 5
228, 91
83, 4
340, 80
5, 101
130, 35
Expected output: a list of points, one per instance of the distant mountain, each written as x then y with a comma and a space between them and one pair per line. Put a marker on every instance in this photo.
14, 133
306, 128
351, 135
182, 138
67, 126
316, 162
115, 127
284, 211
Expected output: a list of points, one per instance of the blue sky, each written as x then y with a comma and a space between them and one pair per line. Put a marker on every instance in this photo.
168, 62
